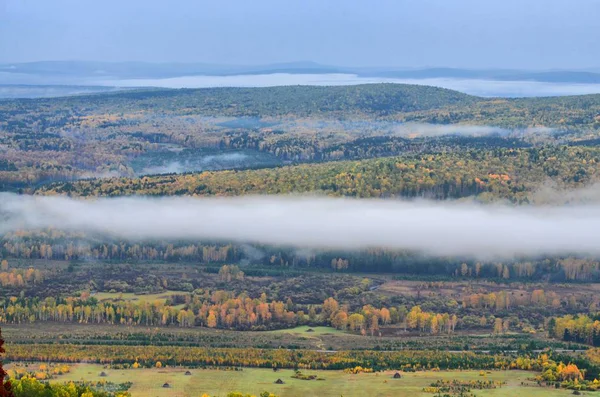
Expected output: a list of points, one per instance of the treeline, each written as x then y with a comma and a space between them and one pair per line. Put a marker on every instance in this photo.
57, 245
551, 365
576, 328
499, 174
18, 278
147, 356
222, 309
265, 260
505, 301
314, 148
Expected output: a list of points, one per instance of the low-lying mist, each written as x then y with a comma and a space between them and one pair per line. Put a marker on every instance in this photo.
349, 129
432, 228
406, 129
189, 160
479, 87
433, 130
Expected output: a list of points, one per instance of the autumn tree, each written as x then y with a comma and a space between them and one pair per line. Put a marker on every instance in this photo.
5, 387
330, 307
230, 272
385, 315
211, 321
569, 372
498, 326
340, 320
356, 321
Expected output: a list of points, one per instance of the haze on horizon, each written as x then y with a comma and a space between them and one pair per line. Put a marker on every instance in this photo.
536, 34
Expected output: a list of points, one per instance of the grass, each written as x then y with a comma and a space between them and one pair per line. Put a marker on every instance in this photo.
148, 382
316, 331
128, 296
315, 335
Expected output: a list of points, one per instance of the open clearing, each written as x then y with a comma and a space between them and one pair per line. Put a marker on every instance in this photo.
128, 296
305, 330
314, 334
149, 382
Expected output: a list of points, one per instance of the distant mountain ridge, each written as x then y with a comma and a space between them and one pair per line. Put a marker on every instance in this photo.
131, 70
16, 91
159, 70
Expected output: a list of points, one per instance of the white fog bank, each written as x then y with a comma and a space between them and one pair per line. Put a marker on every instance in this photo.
433, 228
479, 87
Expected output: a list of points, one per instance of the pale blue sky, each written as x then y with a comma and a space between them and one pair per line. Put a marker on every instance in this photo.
533, 34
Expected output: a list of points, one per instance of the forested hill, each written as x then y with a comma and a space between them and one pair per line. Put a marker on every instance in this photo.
500, 174
400, 102
376, 99
65, 139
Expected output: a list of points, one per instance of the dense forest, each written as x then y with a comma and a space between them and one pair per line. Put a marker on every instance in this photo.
525, 176
63, 139
508, 174
266, 358
139, 295
393, 100
222, 309
53, 245
581, 328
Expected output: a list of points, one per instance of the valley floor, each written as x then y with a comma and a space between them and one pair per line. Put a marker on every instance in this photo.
149, 382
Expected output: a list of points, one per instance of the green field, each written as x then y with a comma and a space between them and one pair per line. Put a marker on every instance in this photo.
305, 330
314, 334
149, 382
128, 296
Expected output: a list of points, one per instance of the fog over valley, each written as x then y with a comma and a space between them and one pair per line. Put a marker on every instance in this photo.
276, 198
472, 86
483, 88
432, 228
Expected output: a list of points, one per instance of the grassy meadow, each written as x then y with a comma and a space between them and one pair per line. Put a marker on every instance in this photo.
305, 330
149, 382
131, 297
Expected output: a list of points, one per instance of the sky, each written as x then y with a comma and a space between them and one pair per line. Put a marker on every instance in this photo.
521, 34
